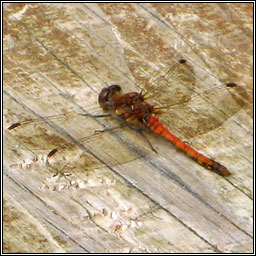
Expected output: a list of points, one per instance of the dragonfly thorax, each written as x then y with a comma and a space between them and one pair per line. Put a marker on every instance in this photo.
131, 107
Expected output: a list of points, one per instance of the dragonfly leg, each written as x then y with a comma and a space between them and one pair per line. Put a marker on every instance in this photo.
147, 140
107, 129
96, 116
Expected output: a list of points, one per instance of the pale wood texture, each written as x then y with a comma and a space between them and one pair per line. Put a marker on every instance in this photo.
57, 58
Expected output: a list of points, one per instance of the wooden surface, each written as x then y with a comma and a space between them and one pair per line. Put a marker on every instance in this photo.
57, 58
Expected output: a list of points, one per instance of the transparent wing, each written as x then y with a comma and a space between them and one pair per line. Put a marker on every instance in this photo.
206, 111
65, 147
190, 109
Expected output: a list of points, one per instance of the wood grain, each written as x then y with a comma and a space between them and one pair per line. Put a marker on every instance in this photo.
57, 58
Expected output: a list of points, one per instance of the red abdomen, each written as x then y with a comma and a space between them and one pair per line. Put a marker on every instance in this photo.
155, 126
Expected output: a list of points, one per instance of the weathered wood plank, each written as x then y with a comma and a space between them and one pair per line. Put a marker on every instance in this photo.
57, 58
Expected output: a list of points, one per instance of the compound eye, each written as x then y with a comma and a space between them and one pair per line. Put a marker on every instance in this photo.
114, 88
103, 96
106, 96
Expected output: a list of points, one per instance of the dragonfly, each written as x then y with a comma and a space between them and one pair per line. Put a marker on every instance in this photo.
134, 110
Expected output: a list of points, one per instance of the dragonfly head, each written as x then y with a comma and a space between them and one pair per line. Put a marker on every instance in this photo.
106, 97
